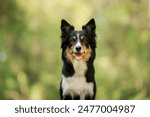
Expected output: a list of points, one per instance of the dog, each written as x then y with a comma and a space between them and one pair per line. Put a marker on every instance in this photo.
78, 54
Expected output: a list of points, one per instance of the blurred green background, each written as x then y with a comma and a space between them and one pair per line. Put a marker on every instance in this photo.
30, 54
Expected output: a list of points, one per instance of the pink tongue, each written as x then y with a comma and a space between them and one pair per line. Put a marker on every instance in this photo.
78, 57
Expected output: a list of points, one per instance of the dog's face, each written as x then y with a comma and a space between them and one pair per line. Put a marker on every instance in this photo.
78, 44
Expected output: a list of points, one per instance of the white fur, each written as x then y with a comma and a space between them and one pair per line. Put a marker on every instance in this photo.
77, 83
78, 42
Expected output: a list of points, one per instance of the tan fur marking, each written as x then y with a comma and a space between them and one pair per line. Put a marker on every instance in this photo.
82, 37
69, 54
87, 53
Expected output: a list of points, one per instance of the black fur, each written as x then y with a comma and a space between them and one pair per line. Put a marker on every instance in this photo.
67, 31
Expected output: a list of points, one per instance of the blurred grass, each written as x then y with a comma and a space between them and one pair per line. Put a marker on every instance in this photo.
30, 54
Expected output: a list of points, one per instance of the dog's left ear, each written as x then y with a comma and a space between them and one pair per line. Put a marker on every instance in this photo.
90, 26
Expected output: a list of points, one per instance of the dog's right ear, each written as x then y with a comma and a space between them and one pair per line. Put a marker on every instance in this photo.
65, 26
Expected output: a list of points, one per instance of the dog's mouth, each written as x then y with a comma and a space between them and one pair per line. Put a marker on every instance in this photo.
78, 56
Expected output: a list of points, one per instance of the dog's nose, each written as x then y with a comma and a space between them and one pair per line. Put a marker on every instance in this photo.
78, 48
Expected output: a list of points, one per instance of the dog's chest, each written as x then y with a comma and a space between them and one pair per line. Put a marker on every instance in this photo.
80, 68
77, 85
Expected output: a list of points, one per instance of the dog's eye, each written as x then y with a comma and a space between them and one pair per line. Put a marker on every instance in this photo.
73, 38
83, 39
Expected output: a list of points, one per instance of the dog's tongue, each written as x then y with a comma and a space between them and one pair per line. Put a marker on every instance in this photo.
78, 57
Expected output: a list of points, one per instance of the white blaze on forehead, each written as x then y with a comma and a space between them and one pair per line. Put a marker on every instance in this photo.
78, 41
77, 35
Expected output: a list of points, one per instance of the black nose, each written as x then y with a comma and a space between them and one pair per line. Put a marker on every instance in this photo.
78, 48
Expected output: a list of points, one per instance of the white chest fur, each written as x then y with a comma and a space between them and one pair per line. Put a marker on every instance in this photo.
77, 85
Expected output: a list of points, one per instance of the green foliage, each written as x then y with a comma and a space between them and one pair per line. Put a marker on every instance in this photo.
30, 54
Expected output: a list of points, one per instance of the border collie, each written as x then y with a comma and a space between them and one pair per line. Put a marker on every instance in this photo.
78, 54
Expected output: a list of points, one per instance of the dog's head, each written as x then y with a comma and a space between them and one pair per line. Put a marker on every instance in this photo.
78, 44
